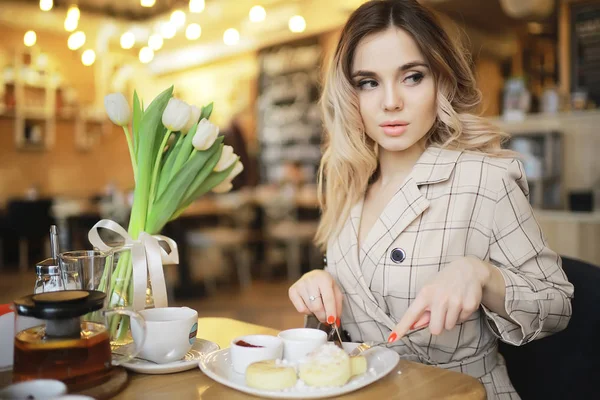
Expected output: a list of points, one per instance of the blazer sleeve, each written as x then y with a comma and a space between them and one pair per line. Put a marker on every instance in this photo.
538, 294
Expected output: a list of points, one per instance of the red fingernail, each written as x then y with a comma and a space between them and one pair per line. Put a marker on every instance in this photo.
338, 322
330, 319
393, 337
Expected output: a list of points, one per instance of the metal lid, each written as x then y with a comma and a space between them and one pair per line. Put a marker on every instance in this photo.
60, 305
47, 267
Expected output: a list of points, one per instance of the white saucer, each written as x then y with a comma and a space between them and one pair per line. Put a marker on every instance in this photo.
380, 361
200, 348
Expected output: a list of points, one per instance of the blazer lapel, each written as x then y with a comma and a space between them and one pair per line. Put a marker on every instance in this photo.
435, 165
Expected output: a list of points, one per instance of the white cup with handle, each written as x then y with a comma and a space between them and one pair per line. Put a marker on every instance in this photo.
170, 333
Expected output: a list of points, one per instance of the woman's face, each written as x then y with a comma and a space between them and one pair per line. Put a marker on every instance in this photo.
396, 89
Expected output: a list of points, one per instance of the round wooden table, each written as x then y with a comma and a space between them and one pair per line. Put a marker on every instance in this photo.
416, 381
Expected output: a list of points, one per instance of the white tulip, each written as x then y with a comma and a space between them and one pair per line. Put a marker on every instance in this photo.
228, 157
176, 115
223, 187
205, 135
194, 117
239, 167
117, 108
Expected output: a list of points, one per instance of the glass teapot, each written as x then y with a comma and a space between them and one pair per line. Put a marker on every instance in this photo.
70, 339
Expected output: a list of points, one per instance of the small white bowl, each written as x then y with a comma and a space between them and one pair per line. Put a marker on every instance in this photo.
34, 389
242, 356
298, 342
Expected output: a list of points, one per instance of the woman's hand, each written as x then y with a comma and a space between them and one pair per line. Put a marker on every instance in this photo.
317, 293
449, 298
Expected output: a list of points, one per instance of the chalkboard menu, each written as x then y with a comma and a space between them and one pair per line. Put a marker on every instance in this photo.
585, 49
289, 120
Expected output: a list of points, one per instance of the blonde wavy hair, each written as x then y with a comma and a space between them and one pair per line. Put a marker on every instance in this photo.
350, 157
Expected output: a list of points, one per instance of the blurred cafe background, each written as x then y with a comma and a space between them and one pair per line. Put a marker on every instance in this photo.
261, 61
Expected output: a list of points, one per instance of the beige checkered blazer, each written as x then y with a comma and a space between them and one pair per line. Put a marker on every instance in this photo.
453, 204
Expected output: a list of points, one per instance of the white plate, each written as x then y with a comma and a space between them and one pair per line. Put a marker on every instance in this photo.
380, 362
200, 348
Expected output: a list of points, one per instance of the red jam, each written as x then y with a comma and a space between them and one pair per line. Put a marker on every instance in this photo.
246, 344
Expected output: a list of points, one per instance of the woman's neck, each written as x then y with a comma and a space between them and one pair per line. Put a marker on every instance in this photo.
396, 165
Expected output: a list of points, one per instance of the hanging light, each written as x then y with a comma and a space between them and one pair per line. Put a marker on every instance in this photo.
46, 5
30, 38
155, 42
76, 40
88, 57
257, 14
231, 37
297, 24
71, 24
147, 3
146, 55
193, 31
168, 30
127, 40
197, 6
73, 12
178, 18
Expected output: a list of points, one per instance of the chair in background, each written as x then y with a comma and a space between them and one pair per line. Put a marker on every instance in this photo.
564, 365
30, 222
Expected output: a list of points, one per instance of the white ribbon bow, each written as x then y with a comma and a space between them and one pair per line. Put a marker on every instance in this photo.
147, 256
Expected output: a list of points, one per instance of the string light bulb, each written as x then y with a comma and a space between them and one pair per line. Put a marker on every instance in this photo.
178, 18
257, 14
193, 31
71, 24
73, 13
297, 24
127, 40
147, 3
197, 6
146, 55
46, 5
88, 57
231, 37
30, 38
76, 40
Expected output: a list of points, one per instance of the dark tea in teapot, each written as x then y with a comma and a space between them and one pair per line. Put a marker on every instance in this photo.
39, 356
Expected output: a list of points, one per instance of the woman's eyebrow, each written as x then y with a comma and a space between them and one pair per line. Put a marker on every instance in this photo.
402, 68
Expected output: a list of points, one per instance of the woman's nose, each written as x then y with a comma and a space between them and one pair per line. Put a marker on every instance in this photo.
393, 99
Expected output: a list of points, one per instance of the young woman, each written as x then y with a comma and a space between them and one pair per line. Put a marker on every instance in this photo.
425, 219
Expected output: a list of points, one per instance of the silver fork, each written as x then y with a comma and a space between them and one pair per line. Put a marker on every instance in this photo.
361, 348
334, 335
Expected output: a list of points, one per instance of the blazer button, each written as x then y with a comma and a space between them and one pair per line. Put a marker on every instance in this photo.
398, 255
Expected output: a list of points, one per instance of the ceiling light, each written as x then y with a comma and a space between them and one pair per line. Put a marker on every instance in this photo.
147, 3
71, 24
257, 14
30, 38
46, 5
76, 40
88, 57
178, 18
193, 31
146, 55
168, 30
155, 42
297, 24
127, 40
73, 13
197, 6
231, 37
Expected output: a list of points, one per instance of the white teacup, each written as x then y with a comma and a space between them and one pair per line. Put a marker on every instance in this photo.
171, 332
297, 343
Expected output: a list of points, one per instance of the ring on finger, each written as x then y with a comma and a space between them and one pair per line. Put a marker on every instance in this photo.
313, 298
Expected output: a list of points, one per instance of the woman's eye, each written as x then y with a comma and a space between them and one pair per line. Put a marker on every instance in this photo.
367, 84
414, 78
